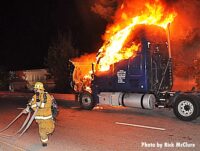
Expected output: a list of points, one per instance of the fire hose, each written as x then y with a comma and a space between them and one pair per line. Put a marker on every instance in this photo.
29, 123
23, 125
26, 123
12, 122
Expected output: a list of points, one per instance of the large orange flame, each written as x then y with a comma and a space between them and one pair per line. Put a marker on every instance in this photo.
114, 48
118, 42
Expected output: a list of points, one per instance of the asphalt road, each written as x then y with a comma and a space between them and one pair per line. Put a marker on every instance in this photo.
102, 129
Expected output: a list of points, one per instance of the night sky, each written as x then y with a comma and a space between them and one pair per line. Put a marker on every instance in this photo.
27, 29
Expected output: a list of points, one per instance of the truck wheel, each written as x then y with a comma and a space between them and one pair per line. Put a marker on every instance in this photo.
186, 108
86, 101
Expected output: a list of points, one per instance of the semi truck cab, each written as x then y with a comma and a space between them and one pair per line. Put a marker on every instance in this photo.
144, 81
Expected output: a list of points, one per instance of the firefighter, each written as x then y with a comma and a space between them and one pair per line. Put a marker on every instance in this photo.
43, 101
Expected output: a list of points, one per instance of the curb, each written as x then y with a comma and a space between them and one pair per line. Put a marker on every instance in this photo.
68, 97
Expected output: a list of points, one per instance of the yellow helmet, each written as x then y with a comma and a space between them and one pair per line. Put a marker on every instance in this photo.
39, 85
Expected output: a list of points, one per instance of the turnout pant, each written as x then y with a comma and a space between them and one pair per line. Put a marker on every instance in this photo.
45, 127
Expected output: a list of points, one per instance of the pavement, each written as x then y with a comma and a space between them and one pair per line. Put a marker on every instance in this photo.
103, 128
5, 146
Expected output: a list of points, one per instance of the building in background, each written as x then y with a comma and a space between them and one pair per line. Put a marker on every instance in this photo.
24, 80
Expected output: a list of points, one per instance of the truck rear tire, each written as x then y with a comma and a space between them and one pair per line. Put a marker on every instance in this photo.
86, 101
186, 108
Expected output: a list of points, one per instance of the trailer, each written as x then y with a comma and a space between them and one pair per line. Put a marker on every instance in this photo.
144, 81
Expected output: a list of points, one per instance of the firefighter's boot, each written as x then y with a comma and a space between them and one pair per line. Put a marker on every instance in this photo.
44, 144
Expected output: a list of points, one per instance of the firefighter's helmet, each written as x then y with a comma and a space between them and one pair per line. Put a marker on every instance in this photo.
39, 86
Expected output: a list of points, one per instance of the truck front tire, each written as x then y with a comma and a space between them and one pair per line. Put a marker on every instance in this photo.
186, 108
86, 101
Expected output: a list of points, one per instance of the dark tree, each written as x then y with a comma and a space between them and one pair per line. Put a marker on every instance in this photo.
4, 79
59, 54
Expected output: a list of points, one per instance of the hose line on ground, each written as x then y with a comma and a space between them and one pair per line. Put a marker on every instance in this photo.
23, 125
22, 112
26, 123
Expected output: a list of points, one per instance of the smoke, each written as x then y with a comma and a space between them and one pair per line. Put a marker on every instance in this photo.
188, 18
186, 26
185, 35
88, 58
186, 23
105, 8
185, 30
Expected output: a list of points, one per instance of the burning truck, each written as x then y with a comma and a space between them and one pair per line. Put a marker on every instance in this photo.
133, 68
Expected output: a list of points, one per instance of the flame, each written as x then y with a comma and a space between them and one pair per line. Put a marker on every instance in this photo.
118, 43
114, 48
